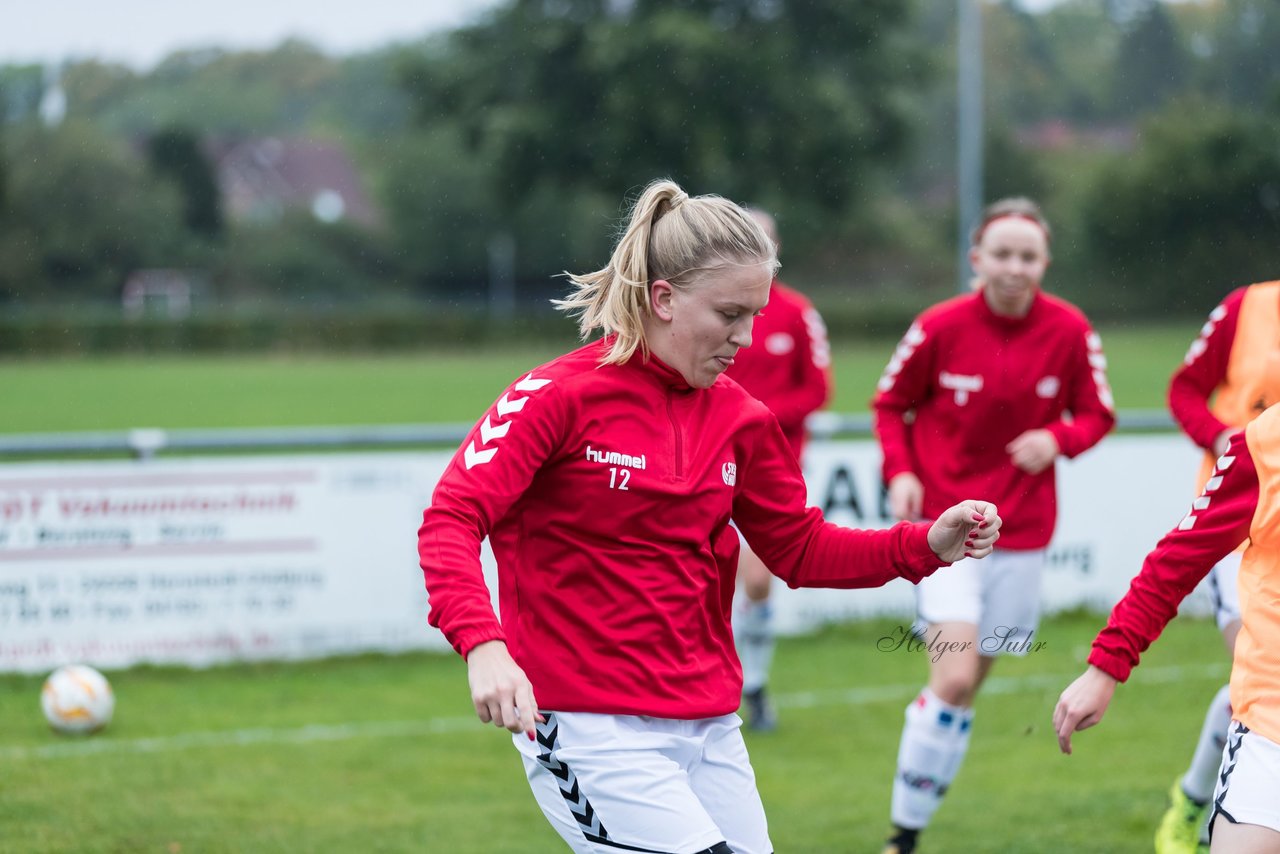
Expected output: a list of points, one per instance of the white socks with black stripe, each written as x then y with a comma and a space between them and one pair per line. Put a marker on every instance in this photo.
935, 738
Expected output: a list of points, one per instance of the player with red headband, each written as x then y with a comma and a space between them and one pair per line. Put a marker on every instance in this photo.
984, 393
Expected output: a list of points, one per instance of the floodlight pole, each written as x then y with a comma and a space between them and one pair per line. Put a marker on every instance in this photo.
968, 130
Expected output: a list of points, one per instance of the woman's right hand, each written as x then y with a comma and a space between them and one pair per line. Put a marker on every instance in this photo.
501, 693
906, 497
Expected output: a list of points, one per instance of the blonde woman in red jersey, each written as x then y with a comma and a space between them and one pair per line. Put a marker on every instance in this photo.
984, 393
605, 481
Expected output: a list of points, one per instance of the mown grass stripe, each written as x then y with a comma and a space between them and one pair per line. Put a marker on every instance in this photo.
313, 733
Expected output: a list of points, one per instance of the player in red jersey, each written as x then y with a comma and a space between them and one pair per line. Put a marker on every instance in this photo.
788, 369
983, 394
605, 481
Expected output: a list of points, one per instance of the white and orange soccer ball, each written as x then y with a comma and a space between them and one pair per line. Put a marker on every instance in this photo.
77, 699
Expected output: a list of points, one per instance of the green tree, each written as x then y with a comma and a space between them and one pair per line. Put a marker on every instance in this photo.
1192, 213
1244, 65
302, 260
440, 210
21, 87
83, 214
1045, 65
1151, 64
1010, 169
211, 91
741, 97
176, 156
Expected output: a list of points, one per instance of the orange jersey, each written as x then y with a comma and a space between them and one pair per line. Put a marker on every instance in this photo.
1240, 500
1232, 371
1255, 674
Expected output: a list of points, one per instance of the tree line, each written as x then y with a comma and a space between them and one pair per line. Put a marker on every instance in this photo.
1147, 130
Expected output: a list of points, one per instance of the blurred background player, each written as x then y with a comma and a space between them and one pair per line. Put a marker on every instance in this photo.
788, 368
983, 394
1230, 375
605, 481
1241, 500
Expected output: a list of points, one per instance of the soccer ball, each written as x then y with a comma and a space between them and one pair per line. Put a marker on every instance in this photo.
77, 699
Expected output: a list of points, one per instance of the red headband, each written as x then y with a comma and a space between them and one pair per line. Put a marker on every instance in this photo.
977, 235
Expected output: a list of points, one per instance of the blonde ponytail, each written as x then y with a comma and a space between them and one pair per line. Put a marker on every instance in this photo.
670, 236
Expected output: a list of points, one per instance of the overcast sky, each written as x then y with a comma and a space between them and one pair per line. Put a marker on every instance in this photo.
141, 32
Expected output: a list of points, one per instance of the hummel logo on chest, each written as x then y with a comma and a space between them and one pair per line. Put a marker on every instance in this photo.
962, 384
613, 458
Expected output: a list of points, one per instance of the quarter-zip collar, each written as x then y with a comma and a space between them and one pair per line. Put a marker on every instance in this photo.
666, 376
1004, 321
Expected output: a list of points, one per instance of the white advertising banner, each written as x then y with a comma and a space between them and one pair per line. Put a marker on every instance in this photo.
286, 556
1114, 502
114, 563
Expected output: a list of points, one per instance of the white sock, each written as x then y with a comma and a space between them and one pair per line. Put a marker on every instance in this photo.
1201, 776
935, 738
753, 634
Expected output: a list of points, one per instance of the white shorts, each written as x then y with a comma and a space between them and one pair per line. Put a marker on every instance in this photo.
617, 783
1224, 587
999, 594
1248, 780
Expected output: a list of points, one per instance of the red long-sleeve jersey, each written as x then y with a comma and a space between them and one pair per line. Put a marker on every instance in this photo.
1235, 362
1203, 370
964, 382
606, 492
788, 365
1217, 523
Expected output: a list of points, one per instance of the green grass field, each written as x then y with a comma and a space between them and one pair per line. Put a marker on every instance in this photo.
119, 393
383, 754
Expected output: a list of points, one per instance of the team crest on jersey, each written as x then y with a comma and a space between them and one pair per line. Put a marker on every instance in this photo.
729, 471
1048, 387
779, 343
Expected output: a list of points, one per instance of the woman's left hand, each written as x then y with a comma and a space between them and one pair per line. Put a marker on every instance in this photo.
967, 529
1033, 451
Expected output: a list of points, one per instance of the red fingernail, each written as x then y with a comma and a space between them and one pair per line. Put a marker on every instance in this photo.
977, 517
969, 543
983, 525
968, 554
530, 734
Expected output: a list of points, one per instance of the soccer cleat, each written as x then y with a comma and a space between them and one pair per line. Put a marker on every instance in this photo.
903, 841
760, 714
1179, 830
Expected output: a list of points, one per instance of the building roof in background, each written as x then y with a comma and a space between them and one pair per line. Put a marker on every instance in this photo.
260, 178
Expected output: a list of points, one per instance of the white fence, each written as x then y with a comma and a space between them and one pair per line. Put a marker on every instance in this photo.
197, 561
